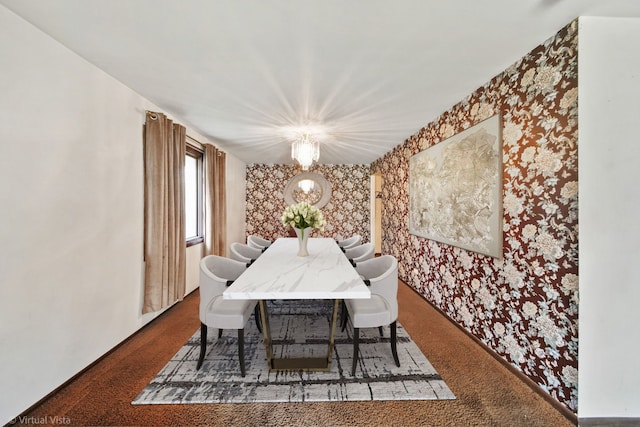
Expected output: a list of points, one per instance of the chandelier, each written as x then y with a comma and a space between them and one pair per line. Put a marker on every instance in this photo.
305, 151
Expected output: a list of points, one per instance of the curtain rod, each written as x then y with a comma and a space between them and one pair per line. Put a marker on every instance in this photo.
154, 116
192, 138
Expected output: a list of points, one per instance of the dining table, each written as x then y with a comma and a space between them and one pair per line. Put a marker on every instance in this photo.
280, 274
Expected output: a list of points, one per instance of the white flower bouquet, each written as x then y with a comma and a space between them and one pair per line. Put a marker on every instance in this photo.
303, 215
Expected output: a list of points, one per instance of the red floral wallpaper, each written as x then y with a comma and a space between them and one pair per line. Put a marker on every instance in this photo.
347, 212
525, 305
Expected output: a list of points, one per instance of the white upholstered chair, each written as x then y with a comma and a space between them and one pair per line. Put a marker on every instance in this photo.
216, 273
381, 275
244, 253
350, 242
360, 253
258, 242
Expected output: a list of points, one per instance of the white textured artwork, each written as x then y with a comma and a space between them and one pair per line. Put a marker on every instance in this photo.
455, 190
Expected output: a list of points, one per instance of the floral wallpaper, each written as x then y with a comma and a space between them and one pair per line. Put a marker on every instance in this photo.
524, 306
347, 212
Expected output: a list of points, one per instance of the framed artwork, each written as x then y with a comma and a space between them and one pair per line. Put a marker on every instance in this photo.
455, 190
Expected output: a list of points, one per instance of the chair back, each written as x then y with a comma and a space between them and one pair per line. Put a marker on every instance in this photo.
382, 273
215, 272
361, 252
258, 242
243, 253
350, 242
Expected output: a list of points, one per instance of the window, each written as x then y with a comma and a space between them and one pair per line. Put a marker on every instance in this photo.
193, 196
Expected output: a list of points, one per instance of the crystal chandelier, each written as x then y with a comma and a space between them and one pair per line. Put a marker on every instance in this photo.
305, 151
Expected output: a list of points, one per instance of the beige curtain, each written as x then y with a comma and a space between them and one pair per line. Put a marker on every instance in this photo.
215, 201
164, 227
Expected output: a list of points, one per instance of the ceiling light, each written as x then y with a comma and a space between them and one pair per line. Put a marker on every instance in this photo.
305, 151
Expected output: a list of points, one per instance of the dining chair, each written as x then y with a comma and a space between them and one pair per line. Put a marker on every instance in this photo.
350, 242
360, 253
258, 242
216, 273
244, 253
381, 275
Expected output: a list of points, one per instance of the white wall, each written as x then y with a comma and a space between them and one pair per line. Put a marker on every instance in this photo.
609, 218
236, 179
71, 221
194, 255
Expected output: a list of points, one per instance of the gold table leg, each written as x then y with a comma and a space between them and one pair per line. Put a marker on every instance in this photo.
297, 363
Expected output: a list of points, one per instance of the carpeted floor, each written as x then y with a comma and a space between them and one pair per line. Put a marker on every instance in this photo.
301, 329
487, 393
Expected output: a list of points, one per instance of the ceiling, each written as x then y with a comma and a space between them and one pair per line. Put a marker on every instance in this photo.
364, 74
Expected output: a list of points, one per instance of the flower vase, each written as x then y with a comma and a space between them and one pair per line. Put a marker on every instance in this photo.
303, 236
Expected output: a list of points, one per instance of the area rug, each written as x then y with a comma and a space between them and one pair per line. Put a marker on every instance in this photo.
299, 329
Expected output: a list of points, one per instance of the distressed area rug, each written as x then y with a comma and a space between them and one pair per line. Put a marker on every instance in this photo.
299, 329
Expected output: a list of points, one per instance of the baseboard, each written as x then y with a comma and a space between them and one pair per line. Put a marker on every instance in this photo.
608, 422
570, 415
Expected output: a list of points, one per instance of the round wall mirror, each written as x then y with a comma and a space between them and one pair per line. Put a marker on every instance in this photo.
308, 187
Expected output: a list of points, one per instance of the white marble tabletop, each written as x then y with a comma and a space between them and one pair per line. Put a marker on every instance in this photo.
280, 274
